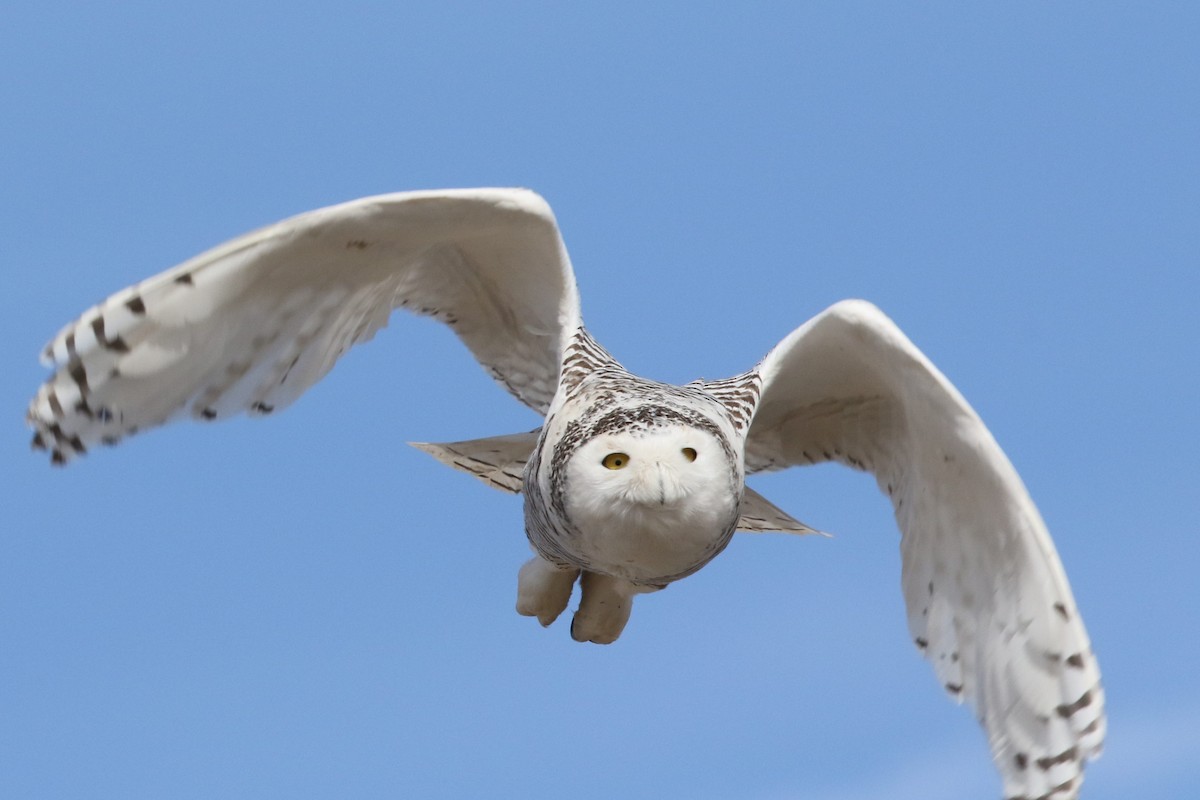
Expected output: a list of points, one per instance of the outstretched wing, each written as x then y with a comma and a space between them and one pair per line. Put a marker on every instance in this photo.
251, 324
988, 602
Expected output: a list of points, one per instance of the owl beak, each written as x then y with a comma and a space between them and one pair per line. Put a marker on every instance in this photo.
668, 489
657, 486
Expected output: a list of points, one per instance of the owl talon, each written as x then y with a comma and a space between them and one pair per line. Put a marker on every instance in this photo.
544, 589
604, 608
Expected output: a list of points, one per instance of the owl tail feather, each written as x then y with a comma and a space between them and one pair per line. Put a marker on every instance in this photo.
498, 461
760, 515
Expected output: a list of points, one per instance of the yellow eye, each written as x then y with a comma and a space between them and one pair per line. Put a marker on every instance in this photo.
615, 460
689, 454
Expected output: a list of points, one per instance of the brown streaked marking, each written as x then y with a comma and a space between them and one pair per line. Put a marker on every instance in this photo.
136, 305
1067, 710
185, 279
921, 643
117, 345
1022, 760
57, 432
98, 329
954, 688
1066, 756
55, 406
1075, 661
39, 441
79, 375
209, 414
57, 458
1062, 611
357, 244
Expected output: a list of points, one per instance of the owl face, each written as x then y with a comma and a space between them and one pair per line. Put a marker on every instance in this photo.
670, 471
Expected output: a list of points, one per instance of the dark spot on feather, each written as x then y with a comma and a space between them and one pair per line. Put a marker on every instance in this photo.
79, 375
1068, 755
1075, 661
208, 413
1022, 760
98, 329
954, 688
57, 433
1068, 710
57, 458
109, 441
921, 643
931, 587
357, 244
136, 305
77, 444
39, 442
262, 408
1062, 611
55, 406
185, 279
1092, 727
70, 342
82, 408
117, 345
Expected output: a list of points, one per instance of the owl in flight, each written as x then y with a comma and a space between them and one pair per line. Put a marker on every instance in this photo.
629, 484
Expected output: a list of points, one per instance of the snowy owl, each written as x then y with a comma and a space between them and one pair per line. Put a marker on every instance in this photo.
629, 484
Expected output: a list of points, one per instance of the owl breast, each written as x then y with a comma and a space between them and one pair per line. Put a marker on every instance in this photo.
647, 543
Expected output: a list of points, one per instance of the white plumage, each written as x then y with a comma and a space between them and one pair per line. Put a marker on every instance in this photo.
629, 484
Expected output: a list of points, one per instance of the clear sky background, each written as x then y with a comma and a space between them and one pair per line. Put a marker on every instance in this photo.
303, 607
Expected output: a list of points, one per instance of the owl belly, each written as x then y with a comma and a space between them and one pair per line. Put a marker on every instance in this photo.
649, 544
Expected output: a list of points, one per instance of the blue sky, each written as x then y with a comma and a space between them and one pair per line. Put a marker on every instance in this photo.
303, 607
